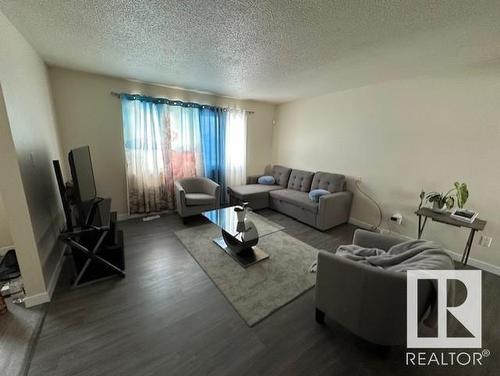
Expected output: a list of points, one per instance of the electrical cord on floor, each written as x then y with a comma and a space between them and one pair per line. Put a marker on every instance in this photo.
372, 200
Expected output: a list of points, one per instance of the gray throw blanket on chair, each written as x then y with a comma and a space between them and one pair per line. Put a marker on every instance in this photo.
409, 255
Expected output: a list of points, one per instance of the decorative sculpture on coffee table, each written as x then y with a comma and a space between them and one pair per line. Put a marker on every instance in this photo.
239, 234
247, 235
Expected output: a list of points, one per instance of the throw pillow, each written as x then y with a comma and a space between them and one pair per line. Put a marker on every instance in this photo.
266, 180
315, 194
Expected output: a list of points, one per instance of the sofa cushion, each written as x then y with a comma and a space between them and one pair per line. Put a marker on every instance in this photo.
266, 180
281, 175
242, 191
330, 182
196, 199
297, 198
300, 180
315, 194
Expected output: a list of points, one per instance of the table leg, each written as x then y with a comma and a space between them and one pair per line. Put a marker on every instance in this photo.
418, 231
468, 246
421, 226
245, 253
236, 245
91, 256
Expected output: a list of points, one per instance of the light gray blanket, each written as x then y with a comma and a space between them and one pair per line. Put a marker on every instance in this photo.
409, 255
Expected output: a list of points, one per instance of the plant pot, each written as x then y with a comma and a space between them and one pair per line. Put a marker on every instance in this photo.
437, 208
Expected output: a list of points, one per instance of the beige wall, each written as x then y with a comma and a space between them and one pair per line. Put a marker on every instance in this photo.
88, 114
5, 237
16, 209
30, 125
401, 137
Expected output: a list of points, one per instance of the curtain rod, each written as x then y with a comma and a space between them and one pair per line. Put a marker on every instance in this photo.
174, 102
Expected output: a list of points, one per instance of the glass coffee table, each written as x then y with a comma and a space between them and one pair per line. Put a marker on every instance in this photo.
239, 239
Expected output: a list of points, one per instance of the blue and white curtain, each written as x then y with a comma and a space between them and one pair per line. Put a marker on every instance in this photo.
213, 124
235, 148
166, 140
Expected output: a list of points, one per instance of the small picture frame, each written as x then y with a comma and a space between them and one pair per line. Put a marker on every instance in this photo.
464, 215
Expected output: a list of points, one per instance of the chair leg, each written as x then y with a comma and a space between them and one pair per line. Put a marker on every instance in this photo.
320, 316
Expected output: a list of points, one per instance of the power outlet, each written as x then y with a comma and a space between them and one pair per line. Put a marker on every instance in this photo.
397, 218
485, 241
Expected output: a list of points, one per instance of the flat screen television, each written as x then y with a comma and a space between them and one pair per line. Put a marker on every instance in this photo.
80, 163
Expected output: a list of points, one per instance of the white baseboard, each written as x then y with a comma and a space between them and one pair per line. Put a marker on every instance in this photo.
33, 300
45, 297
57, 271
361, 224
124, 216
486, 266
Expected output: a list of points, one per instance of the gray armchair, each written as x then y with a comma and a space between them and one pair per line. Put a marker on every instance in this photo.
196, 195
368, 301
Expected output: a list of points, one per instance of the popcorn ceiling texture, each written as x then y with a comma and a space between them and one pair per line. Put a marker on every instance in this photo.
266, 50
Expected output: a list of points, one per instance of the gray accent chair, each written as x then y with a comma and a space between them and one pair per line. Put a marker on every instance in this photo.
257, 195
368, 301
196, 195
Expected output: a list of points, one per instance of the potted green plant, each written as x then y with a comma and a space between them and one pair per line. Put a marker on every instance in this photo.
446, 201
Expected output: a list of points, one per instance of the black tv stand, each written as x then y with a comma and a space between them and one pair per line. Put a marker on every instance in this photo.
91, 227
87, 211
96, 245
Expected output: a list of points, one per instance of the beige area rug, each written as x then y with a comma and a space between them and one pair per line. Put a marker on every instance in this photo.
261, 289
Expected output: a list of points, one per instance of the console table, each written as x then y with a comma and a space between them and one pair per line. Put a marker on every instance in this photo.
477, 225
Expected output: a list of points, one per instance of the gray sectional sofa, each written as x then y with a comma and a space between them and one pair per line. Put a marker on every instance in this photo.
290, 195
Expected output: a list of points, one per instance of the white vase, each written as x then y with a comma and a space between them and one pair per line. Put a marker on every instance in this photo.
250, 232
240, 213
437, 209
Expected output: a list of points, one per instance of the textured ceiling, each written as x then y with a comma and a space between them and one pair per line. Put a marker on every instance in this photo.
266, 50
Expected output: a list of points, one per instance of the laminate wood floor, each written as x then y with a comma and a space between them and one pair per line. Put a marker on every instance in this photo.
19, 328
167, 318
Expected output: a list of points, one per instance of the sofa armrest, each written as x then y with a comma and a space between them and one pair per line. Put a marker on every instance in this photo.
369, 301
252, 179
369, 239
180, 197
334, 209
342, 282
210, 187
179, 188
